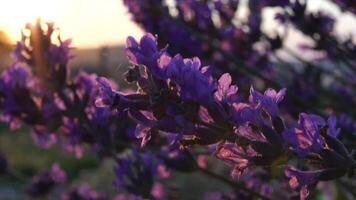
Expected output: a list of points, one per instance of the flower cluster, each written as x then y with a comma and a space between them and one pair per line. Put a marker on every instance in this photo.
194, 98
183, 99
36, 90
68, 112
222, 39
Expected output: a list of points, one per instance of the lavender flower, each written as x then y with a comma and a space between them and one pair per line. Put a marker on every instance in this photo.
145, 53
136, 173
268, 101
194, 81
304, 181
44, 182
237, 157
226, 92
307, 137
185, 106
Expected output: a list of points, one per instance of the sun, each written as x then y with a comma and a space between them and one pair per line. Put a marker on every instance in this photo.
91, 23
16, 13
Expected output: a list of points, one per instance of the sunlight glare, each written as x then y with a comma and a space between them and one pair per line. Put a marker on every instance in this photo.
16, 13
91, 23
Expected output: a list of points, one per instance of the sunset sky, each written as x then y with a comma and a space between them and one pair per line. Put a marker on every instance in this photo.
93, 23
90, 23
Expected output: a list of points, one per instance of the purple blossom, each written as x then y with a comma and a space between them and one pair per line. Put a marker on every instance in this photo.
85, 83
301, 180
194, 82
243, 112
106, 94
225, 90
136, 173
146, 53
306, 137
304, 181
332, 129
16, 103
158, 191
180, 107
61, 54
44, 182
43, 137
235, 156
17, 76
267, 101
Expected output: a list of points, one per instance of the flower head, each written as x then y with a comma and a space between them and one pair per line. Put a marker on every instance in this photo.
194, 82
306, 137
146, 53
267, 101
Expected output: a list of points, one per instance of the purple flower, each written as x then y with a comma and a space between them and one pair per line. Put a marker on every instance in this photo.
158, 191
306, 137
43, 137
346, 122
267, 101
243, 113
16, 101
20, 53
332, 129
250, 134
17, 76
146, 123
301, 181
225, 91
44, 182
304, 181
60, 54
146, 53
85, 88
235, 156
106, 95
136, 173
194, 82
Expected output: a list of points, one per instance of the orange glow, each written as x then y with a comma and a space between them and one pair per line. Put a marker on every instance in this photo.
91, 23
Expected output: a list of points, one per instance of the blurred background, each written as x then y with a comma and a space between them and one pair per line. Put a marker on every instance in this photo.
99, 29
